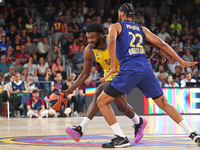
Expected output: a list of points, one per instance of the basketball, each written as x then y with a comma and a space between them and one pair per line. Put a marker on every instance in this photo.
55, 101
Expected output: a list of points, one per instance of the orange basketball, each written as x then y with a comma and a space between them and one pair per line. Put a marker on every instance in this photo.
55, 101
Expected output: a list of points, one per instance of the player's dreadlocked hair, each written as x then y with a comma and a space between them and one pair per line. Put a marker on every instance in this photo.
94, 27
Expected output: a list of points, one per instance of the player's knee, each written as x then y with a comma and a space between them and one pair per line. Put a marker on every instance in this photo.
162, 103
100, 102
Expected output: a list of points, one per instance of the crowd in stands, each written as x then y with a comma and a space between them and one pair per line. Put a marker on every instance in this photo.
30, 56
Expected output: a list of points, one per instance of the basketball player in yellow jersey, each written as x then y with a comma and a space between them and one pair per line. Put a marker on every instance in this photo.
97, 50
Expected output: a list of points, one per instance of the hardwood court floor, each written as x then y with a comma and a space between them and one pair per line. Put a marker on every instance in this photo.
49, 134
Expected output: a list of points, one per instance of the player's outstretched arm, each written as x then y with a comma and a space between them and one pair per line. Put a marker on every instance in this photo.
155, 40
88, 58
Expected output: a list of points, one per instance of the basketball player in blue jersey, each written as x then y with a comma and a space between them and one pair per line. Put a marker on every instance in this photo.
126, 41
97, 50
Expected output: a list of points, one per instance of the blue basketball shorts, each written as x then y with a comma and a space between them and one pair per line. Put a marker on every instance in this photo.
144, 79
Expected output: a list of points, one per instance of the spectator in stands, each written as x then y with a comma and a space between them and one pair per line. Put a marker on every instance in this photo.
138, 8
23, 35
56, 31
4, 67
29, 25
19, 6
179, 15
73, 49
10, 36
6, 77
31, 47
108, 22
154, 58
94, 75
41, 69
11, 18
172, 66
31, 86
17, 43
57, 83
177, 73
43, 48
164, 11
170, 82
161, 70
162, 79
138, 18
149, 9
163, 62
19, 25
81, 38
49, 11
81, 100
23, 55
71, 97
73, 27
188, 57
197, 58
79, 58
18, 88
189, 45
79, 18
2, 33
67, 39
153, 27
49, 76
17, 66
35, 35
32, 68
10, 55
24, 74
2, 20
61, 8
58, 67
197, 33
163, 34
73, 75
194, 70
53, 54
113, 15
5, 95
177, 42
67, 17
36, 106
176, 27
3, 45
188, 78
196, 44
197, 77
26, 15
186, 34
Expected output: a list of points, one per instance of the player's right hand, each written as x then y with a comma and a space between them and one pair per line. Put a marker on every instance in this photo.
187, 64
66, 92
112, 70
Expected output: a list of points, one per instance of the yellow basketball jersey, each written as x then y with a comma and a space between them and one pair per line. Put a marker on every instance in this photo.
102, 57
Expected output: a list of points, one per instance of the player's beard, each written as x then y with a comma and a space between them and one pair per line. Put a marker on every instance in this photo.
96, 44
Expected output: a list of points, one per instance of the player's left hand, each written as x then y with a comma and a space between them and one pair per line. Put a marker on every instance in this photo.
165, 55
187, 64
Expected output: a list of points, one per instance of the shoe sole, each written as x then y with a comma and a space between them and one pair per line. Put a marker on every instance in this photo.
145, 124
72, 134
197, 140
123, 145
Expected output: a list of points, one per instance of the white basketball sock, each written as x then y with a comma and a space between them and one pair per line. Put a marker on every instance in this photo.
117, 130
186, 127
85, 123
136, 119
